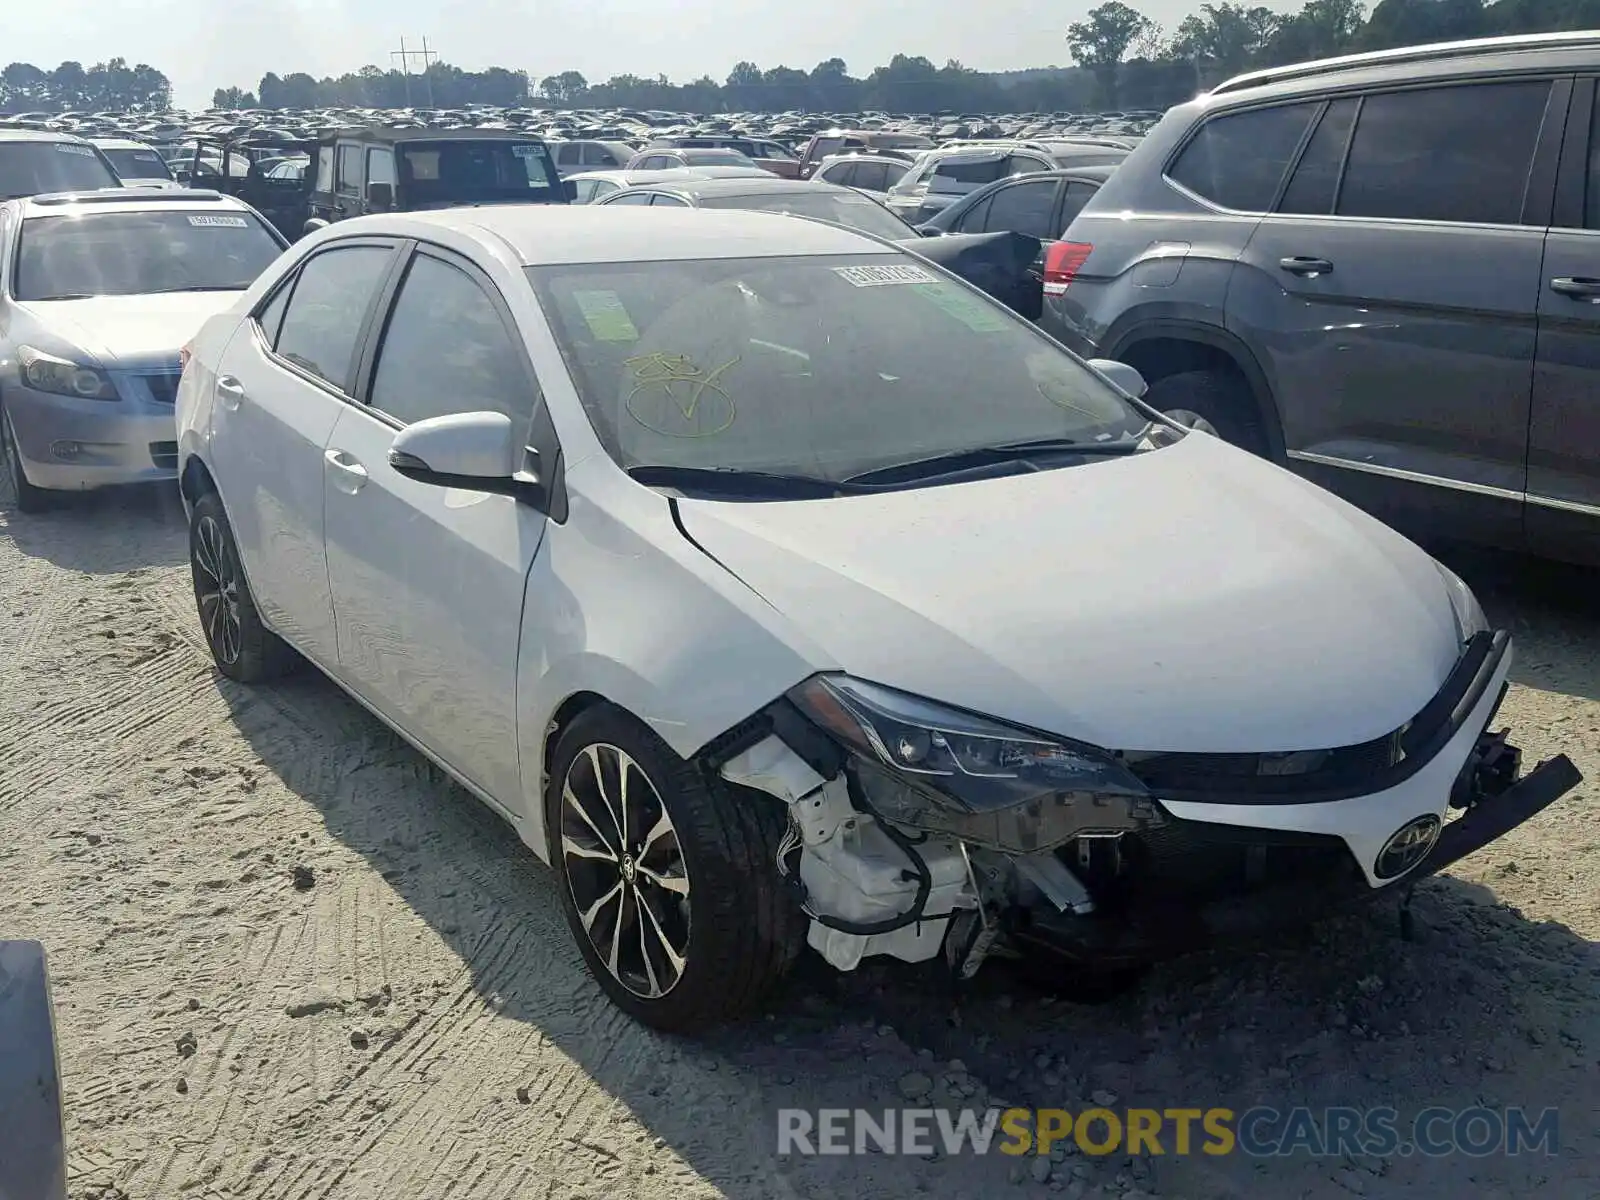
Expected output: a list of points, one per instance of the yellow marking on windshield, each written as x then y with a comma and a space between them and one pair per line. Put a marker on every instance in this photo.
700, 407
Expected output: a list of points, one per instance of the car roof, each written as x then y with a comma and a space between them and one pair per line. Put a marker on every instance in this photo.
130, 199
379, 134
112, 143
543, 234
39, 135
639, 175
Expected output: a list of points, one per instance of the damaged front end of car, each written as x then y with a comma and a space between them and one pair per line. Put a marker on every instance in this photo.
918, 830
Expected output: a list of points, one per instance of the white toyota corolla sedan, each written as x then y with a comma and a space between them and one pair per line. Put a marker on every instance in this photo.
782, 589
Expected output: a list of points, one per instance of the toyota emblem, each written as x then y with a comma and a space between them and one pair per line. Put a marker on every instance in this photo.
1408, 847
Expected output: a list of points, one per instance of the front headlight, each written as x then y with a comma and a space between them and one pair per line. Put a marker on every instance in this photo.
1468, 612
941, 769
47, 373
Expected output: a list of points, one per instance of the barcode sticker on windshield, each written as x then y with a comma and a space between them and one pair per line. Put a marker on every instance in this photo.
879, 276
606, 317
970, 310
220, 222
69, 148
526, 151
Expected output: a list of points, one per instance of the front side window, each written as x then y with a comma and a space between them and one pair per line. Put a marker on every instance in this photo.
873, 176
1238, 160
631, 197
34, 168
662, 200
327, 308
447, 350
1445, 154
380, 166
569, 154
141, 253
824, 366
839, 173
850, 209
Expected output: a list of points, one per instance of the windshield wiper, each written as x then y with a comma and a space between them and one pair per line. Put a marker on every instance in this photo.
62, 296
198, 287
957, 462
737, 479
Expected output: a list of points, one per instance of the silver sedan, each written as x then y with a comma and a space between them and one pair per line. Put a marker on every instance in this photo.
99, 292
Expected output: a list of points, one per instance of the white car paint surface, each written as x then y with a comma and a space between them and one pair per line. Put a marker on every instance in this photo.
1144, 591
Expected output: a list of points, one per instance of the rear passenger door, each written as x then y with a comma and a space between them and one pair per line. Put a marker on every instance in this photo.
1390, 298
1563, 511
427, 582
281, 384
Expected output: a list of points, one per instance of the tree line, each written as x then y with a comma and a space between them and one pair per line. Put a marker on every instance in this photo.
1123, 60
71, 87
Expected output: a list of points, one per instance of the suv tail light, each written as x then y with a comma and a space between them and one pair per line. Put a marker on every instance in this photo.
1062, 262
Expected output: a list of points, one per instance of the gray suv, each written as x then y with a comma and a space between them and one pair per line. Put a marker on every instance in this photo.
1383, 269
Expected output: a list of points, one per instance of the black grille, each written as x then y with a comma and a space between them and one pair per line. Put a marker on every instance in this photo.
164, 455
1326, 766
163, 387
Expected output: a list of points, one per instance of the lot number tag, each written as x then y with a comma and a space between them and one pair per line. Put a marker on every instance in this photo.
69, 148
879, 276
220, 222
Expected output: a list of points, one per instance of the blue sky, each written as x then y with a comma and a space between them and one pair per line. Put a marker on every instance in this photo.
205, 44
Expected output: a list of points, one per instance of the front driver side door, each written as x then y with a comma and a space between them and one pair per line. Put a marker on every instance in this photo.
428, 582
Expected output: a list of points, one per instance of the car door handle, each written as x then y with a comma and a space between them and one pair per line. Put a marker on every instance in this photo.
1301, 265
1577, 288
230, 391
349, 475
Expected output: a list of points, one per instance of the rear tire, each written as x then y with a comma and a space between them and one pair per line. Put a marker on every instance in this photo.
29, 499
242, 647
668, 877
1221, 400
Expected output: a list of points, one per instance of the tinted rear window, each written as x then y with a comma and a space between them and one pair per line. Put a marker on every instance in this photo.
34, 168
476, 170
1445, 154
1238, 160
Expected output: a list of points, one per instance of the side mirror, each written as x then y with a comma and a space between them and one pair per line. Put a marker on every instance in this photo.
380, 196
1121, 376
929, 231
570, 188
474, 451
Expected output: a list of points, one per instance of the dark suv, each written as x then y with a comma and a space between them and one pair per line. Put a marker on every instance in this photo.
1383, 269
363, 171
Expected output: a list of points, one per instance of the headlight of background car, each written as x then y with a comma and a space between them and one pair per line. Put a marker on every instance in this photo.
47, 373
1469, 613
921, 764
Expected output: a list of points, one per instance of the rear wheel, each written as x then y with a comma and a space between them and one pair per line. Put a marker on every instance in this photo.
242, 647
668, 877
28, 499
1214, 402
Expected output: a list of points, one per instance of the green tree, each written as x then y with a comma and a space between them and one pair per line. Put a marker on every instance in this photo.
1101, 42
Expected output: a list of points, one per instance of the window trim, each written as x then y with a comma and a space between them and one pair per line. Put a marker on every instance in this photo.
363, 331
1557, 78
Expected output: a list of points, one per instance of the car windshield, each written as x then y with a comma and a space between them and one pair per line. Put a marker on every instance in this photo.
33, 168
476, 170
138, 164
842, 208
131, 254
825, 366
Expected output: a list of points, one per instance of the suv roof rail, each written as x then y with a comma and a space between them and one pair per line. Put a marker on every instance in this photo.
122, 195
1433, 51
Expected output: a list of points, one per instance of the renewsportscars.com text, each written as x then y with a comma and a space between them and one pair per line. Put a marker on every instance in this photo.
1259, 1132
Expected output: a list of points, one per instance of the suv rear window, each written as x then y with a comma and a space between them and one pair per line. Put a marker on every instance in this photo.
1238, 160
1445, 154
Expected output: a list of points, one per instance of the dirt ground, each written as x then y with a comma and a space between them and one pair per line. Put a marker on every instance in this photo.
292, 962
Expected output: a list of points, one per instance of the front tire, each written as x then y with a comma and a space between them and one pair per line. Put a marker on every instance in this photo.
668, 877
29, 499
242, 647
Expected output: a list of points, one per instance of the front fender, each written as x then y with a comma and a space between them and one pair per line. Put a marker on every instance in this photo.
32, 1151
620, 603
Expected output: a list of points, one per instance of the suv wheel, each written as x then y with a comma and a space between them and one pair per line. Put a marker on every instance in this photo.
1214, 402
29, 499
668, 877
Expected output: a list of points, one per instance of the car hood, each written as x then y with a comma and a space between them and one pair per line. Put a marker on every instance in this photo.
1194, 598
122, 331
